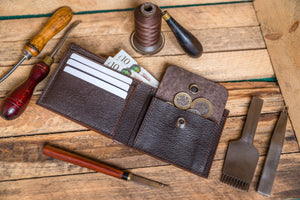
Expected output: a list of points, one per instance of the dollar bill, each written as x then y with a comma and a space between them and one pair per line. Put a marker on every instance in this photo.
119, 66
130, 63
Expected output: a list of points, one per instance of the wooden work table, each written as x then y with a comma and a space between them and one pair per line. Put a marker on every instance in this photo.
252, 48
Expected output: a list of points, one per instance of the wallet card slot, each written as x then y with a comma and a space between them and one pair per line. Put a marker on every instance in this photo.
99, 74
101, 68
97, 82
84, 103
187, 147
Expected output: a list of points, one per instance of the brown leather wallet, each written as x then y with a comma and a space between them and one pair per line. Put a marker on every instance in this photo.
141, 120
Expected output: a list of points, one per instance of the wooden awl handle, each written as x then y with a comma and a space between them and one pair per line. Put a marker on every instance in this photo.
57, 22
82, 161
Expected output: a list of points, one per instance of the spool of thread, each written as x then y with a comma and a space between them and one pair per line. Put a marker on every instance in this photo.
147, 37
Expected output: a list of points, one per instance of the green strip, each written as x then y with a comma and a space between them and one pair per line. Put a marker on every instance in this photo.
116, 10
273, 79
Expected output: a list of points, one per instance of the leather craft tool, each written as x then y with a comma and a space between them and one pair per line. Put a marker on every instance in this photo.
57, 22
17, 101
188, 42
273, 156
99, 167
241, 157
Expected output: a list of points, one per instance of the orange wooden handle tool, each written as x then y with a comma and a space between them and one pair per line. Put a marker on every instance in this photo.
83, 162
56, 23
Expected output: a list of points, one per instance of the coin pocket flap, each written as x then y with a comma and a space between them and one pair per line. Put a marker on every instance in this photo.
187, 147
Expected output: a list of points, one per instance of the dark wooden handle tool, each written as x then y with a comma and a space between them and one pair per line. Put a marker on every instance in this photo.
99, 167
188, 42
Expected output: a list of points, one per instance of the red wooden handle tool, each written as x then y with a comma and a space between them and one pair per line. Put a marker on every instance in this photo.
81, 161
17, 101
99, 167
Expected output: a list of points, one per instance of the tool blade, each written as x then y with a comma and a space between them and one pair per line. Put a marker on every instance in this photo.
146, 182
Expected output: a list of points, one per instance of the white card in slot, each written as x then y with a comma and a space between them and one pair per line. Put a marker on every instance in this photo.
97, 82
101, 68
99, 74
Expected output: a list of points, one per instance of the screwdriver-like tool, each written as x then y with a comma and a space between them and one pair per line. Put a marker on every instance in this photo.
99, 167
56, 23
17, 101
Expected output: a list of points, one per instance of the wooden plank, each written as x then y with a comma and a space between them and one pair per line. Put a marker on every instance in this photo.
27, 7
21, 157
182, 185
213, 40
282, 36
253, 64
43, 121
195, 17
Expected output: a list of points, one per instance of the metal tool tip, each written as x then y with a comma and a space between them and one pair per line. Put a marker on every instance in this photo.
76, 22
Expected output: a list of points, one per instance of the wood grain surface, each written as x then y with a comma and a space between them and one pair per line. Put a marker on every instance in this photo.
283, 40
235, 55
15, 7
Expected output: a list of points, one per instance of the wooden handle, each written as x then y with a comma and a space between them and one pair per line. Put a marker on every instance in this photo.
82, 161
57, 22
17, 101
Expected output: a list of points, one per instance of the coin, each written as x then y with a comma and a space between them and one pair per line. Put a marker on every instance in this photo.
203, 106
182, 100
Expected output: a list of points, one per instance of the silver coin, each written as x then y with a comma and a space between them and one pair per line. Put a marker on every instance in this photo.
203, 106
182, 100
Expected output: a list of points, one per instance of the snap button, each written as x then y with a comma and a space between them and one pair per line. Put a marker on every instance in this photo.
194, 88
180, 122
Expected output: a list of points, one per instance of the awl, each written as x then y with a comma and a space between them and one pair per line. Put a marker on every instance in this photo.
56, 23
16, 102
99, 167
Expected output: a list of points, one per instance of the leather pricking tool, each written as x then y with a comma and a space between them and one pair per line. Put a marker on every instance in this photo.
241, 158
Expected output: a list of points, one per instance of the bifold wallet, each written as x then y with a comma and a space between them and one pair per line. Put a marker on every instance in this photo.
138, 117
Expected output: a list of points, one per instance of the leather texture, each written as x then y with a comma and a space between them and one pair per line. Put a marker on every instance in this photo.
189, 147
177, 80
141, 121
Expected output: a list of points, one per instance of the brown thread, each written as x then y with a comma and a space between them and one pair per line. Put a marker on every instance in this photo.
147, 18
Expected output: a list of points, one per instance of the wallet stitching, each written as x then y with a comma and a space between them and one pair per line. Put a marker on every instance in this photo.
145, 122
175, 162
122, 112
